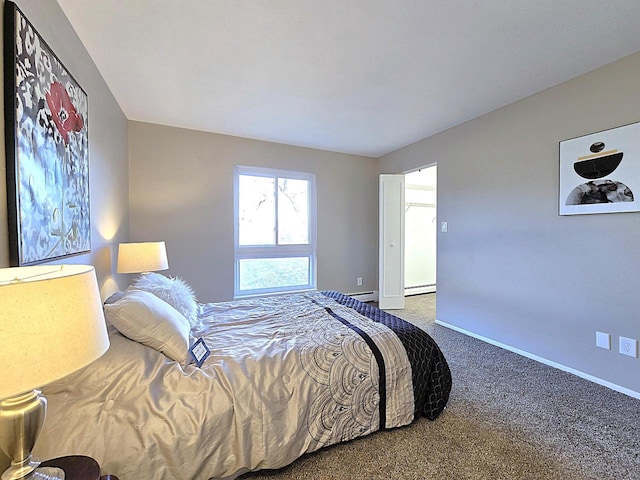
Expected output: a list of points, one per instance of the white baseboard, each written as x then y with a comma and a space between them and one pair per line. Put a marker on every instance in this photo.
559, 366
371, 296
419, 290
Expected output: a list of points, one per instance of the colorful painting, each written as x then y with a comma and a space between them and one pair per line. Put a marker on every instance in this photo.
47, 149
600, 172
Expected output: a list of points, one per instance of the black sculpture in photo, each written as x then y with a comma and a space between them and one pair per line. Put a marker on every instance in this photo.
594, 167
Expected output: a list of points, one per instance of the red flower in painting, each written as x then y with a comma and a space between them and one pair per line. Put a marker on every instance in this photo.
64, 114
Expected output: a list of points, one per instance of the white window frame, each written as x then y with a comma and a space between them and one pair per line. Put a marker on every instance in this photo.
242, 252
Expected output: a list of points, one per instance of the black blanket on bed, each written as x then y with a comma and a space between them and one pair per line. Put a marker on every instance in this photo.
430, 372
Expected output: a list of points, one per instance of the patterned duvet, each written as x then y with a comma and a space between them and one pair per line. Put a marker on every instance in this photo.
287, 375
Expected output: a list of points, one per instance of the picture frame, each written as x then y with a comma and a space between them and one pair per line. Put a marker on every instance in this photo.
47, 149
600, 172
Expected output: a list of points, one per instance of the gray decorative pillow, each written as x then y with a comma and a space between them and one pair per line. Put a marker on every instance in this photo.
145, 318
175, 291
114, 297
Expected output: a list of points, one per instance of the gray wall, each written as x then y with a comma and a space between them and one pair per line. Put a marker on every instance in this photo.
108, 154
182, 192
512, 270
108, 157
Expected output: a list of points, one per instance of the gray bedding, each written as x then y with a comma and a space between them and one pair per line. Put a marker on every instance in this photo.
287, 375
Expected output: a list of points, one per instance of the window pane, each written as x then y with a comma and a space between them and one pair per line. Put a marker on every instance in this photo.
293, 211
259, 273
256, 210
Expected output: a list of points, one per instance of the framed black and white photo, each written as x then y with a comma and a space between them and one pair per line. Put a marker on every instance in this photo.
47, 148
600, 172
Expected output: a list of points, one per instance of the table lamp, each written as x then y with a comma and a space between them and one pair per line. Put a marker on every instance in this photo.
51, 324
142, 257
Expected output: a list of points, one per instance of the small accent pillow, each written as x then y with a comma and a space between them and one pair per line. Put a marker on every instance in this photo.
175, 291
144, 318
114, 297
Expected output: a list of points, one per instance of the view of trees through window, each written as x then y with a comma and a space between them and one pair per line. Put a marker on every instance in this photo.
274, 247
267, 213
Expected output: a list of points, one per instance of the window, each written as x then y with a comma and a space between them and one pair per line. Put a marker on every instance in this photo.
275, 235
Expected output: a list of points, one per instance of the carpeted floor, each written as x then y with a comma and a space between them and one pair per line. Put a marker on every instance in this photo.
508, 417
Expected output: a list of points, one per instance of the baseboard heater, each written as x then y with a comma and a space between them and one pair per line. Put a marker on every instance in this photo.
420, 289
365, 296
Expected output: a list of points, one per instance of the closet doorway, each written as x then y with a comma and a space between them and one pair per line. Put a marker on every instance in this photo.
420, 231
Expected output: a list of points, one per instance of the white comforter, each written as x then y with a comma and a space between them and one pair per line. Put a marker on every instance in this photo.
284, 378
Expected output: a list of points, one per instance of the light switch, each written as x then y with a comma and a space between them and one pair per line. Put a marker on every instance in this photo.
444, 227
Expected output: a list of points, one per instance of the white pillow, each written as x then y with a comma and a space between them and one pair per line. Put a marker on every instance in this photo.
175, 291
146, 319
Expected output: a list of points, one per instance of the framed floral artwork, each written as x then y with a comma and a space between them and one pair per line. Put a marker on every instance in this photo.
600, 172
47, 148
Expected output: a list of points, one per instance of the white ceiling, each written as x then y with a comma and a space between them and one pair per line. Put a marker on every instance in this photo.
355, 76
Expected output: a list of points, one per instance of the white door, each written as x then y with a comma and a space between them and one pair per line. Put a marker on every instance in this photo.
391, 242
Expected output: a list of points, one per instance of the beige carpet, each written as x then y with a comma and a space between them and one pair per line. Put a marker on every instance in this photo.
508, 417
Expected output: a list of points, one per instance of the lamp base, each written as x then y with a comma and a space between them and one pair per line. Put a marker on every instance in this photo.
40, 473
21, 418
46, 473
21, 470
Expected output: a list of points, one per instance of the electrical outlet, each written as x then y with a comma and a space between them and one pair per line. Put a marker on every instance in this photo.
359, 281
603, 340
628, 346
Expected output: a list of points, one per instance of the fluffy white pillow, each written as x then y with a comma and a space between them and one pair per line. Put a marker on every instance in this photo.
175, 291
146, 319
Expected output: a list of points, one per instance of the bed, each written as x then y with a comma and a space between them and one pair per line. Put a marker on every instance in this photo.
286, 375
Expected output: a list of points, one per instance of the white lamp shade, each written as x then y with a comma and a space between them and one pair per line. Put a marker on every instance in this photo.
142, 257
51, 324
